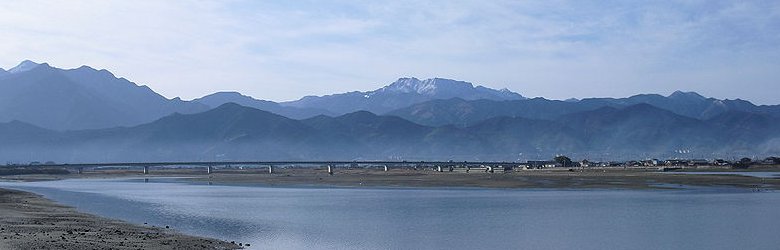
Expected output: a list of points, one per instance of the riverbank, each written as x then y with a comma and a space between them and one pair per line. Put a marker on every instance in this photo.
29, 221
618, 178
547, 179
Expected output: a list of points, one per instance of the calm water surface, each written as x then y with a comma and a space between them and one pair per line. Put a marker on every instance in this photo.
375, 218
750, 174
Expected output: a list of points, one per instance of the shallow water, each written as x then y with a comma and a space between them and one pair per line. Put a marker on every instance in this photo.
749, 174
376, 218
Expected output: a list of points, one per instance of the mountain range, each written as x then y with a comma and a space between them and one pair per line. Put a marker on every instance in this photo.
466, 112
83, 115
235, 132
402, 93
81, 98
219, 98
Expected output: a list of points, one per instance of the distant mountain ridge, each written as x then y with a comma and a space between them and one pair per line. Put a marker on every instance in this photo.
106, 101
85, 114
81, 98
461, 112
87, 98
220, 98
24, 66
402, 93
235, 132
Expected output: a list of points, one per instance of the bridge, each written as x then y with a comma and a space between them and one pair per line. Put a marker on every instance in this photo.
439, 165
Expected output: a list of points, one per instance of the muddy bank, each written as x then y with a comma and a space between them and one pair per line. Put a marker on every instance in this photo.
621, 178
611, 178
29, 221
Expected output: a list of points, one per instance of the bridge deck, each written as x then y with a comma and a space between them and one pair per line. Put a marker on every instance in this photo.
267, 163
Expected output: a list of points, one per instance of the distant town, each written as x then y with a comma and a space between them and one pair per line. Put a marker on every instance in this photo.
563, 161
558, 162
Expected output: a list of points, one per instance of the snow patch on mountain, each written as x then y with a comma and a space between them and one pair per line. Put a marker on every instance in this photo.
25, 65
443, 88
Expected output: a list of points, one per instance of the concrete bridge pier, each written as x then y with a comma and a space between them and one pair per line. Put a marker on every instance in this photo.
146, 169
330, 170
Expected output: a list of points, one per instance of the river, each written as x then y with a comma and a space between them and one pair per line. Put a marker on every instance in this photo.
433, 218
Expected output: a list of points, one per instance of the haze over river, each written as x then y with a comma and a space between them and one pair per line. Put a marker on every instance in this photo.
434, 218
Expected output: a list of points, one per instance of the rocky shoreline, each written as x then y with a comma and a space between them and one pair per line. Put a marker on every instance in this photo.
30, 221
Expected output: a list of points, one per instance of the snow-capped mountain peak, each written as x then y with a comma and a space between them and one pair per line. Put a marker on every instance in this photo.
427, 87
403, 85
402, 93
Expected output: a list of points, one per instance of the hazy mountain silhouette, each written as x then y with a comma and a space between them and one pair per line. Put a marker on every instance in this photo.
463, 113
640, 128
367, 135
81, 98
83, 114
690, 104
402, 93
16, 132
219, 98
468, 112
222, 133
234, 132
505, 136
747, 130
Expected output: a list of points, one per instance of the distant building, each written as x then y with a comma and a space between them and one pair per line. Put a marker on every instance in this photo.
698, 162
652, 163
676, 162
721, 162
769, 161
608, 164
543, 164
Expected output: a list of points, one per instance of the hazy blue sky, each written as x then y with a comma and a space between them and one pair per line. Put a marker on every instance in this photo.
282, 50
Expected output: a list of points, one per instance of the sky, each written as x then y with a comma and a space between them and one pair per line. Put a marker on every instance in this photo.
283, 50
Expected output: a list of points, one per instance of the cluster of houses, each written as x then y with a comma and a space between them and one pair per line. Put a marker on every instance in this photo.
649, 163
